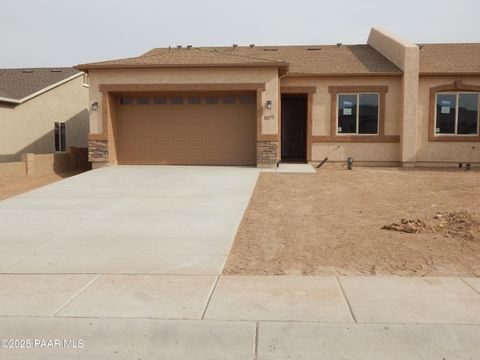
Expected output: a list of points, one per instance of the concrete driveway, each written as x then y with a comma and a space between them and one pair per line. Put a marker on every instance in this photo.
127, 219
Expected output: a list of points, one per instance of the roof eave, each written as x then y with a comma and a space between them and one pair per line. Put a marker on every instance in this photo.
346, 74
10, 100
446, 73
86, 67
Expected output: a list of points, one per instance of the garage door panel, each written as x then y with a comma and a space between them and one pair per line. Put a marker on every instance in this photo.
188, 134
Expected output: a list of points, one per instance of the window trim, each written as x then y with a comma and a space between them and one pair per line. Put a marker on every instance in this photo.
456, 94
350, 90
456, 87
357, 120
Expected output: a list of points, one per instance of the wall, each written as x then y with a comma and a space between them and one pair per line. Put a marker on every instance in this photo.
267, 76
436, 151
321, 119
405, 55
44, 164
29, 127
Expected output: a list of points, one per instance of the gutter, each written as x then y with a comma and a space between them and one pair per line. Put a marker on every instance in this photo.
87, 67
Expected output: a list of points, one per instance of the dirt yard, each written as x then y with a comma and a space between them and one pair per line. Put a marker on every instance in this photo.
29, 183
368, 221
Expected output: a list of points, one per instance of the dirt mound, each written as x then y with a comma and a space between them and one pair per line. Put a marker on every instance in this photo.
462, 223
409, 226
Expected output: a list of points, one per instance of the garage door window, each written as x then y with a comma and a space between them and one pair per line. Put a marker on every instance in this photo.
211, 100
126, 100
160, 100
194, 100
142, 100
177, 100
247, 99
229, 100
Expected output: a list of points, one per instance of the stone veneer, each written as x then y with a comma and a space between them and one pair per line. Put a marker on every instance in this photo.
267, 153
97, 150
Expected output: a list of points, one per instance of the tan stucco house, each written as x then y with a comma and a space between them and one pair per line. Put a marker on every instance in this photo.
387, 102
42, 111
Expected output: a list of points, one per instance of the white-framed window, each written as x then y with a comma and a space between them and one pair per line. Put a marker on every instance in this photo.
457, 113
358, 113
60, 137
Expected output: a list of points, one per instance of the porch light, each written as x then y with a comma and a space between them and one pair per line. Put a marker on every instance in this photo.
95, 106
269, 104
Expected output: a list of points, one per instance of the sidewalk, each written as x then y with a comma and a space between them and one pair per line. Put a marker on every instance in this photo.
242, 317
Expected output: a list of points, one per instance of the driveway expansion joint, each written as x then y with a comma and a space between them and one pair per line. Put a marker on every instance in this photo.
77, 294
342, 290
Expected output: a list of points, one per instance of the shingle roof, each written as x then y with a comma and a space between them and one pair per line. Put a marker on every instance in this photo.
185, 57
308, 60
450, 58
18, 84
317, 59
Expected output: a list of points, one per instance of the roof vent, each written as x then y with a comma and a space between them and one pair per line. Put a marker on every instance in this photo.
235, 46
314, 49
55, 70
252, 46
339, 44
270, 49
27, 71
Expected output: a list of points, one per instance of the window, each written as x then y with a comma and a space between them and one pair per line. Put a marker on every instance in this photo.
229, 100
194, 100
247, 99
211, 100
60, 137
143, 100
177, 100
358, 113
456, 113
160, 100
126, 100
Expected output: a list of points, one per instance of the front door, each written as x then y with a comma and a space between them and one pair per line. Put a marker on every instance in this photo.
294, 128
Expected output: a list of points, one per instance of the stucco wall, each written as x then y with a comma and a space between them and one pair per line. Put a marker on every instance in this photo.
405, 55
321, 119
268, 76
435, 151
29, 127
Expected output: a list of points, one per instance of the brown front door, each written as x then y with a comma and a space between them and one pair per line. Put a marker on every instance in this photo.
294, 127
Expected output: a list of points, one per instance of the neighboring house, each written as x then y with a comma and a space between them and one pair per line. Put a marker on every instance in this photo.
388, 102
42, 110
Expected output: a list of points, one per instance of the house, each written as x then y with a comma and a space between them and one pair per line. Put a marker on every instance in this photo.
42, 111
387, 102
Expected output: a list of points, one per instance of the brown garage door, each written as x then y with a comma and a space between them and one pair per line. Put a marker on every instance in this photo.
194, 129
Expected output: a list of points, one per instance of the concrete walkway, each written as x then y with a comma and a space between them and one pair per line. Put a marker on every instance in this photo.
124, 263
241, 317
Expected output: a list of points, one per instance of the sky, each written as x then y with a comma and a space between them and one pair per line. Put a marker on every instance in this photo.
54, 33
